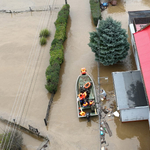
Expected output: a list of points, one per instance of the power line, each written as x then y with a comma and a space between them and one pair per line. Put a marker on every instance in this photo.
29, 60
25, 98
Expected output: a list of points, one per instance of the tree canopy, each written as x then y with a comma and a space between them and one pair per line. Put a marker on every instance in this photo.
109, 42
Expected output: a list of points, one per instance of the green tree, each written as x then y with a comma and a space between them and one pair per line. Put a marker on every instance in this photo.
109, 42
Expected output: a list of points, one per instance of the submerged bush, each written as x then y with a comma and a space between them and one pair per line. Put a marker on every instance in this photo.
56, 50
45, 33
43, 41
14, 137
52, 77
62, 17
57, 54
95, 11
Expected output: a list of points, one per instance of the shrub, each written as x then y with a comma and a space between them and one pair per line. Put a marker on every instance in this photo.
45, 33
56, 50
56, 41
57, 54
16, 140
60, 33
52, 77
63, 16
43, 41
95, 10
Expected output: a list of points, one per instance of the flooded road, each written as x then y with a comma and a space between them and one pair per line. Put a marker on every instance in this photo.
19, 35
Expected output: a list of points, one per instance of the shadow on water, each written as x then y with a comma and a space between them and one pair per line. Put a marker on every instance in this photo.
92, 119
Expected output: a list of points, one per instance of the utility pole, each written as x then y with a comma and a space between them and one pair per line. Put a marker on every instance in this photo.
99, 100
65, 1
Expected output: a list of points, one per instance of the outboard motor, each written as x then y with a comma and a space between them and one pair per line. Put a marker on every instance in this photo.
88, 116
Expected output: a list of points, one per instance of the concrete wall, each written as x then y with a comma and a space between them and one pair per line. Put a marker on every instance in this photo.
134, 114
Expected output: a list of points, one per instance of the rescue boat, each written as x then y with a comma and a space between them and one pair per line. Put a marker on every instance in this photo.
86, 98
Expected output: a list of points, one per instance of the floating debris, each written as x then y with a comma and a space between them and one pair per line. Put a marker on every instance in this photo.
116, 114
103, 148
107, 127
111, 105
102, 133
102, 99
105, 110
109, 115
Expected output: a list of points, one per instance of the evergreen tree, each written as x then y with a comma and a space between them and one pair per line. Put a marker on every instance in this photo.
109, 42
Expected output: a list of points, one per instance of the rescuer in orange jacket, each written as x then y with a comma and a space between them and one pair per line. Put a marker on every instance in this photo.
85, 104
83, 71
91, 102
82, 113
82, 97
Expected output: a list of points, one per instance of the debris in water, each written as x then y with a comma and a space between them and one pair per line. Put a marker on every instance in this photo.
111, 105
107, 127
105, 110
109, 115
102, 133
103, 148
102, 99
116, 114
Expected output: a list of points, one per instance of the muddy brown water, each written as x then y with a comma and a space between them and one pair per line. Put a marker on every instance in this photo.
65, 130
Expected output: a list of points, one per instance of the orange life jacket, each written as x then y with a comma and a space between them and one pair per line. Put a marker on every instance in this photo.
85, 104
81, 96
83, 70
91, 102
84, 95
82, 113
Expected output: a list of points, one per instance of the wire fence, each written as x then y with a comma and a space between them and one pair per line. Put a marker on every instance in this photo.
33, 9
27, 78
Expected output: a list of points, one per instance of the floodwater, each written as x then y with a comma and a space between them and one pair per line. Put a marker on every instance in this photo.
20, 41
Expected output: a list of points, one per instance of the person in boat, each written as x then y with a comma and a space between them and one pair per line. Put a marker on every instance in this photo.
82, 113
93, 107
82, 89
83, 71
85, 104
91, 102
82, 97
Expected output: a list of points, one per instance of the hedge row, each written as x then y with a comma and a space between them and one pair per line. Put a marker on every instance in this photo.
95, 10
56, 50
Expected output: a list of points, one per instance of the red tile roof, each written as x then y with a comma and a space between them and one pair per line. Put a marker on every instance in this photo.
142, 40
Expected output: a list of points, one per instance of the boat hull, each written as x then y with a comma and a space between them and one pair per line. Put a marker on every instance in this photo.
80, 82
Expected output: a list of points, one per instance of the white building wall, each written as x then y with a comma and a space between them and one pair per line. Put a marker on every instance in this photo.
134, 114
132, 31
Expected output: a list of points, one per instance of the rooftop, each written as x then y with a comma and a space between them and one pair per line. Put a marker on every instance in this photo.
142, 40
129, 89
